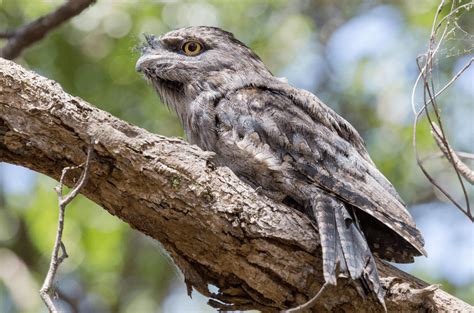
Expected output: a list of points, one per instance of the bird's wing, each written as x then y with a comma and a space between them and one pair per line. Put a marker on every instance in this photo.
283, 126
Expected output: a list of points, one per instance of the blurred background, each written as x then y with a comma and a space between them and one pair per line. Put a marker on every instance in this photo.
357, 56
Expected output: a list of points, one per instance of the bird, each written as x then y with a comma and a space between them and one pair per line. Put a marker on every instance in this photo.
286, 143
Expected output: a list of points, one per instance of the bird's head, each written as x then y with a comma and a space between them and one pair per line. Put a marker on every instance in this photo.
185, 62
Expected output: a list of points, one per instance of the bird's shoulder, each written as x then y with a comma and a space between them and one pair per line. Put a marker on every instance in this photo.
299, 104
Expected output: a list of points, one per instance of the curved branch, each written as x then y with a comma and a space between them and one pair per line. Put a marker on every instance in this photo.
28, 34
260, 254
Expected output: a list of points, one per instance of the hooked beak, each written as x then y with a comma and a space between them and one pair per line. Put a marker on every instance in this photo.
145, 60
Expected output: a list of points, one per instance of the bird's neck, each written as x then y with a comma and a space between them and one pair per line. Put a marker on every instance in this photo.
197, 112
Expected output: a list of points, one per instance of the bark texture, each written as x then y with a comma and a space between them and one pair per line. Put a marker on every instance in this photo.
260, 254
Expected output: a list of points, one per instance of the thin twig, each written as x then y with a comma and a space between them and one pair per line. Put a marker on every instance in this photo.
432, 51
452, 157
417, 155
461, 155
32, 32
57, 258
420, 162
430, 105
307, 305
448, 84
430, 91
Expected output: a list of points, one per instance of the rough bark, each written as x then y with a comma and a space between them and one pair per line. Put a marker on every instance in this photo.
219, 231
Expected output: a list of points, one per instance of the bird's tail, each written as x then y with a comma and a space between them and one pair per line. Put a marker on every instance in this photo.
345, 249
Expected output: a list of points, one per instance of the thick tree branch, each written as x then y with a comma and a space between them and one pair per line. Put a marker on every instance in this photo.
28, 34
260, 254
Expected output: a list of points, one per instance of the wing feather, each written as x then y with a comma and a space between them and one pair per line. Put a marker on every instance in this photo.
307, 138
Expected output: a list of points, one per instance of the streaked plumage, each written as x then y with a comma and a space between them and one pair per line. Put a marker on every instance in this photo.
286, 141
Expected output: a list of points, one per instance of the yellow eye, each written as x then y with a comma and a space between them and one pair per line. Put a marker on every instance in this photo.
192, 48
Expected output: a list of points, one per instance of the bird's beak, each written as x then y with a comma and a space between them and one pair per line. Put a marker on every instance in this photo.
144, 61
147, 52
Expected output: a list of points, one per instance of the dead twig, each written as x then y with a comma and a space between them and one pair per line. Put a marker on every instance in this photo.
64, 200
30, 33
442, 28
462, 155
449, 153
307, 305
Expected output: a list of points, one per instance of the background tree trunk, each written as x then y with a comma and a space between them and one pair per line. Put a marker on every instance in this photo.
219, 231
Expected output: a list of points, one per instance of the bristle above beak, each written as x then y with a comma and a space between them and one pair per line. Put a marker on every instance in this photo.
151, 40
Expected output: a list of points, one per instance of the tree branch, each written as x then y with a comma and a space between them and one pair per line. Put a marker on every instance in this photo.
219, 231
28, 34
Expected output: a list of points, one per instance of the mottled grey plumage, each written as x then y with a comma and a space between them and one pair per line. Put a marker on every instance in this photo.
286, 141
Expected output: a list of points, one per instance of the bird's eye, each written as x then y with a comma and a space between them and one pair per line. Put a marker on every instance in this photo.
191, 48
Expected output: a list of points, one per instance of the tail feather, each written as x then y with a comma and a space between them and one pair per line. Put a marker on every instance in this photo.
345, 249
328, 236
